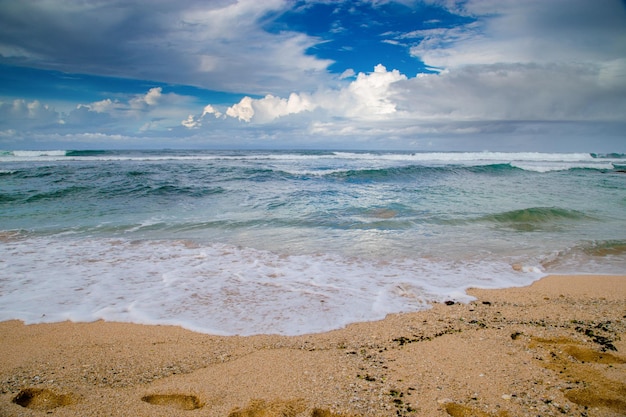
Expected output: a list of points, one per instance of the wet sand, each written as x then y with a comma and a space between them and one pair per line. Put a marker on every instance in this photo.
557, 347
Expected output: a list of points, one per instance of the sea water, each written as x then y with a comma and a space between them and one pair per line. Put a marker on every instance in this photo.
248, 242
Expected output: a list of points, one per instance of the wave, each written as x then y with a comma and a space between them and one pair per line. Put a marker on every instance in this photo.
605, 248
129, 189
33, 154
7, 198
606, 256
529, 161
72, 192
87, 153
535, 218
173, 190
415, 171
365, 155
612, 155
537, 214
549, 166
468, 156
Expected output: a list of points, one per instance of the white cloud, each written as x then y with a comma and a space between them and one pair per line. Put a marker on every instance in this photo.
93, 115
537, 31
208, 109
151, 98
197, 121
102, 106
347, 74
191, 123
366, 97
516, 62
513, 92
21, 113
242, 110
218, 44
369, 94
153, 110
271, 107
613, 74
473, 100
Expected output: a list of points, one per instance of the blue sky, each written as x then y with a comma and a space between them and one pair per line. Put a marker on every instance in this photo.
533, 75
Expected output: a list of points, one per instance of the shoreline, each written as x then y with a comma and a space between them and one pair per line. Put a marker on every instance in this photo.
556, 347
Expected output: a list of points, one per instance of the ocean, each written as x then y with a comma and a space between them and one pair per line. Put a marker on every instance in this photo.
293, 242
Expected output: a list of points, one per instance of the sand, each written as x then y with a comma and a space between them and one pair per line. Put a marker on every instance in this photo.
557, 347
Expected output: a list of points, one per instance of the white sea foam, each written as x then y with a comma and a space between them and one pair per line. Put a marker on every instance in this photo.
35, 154
529, 161
224, 289
546, 166
533, 161
472, 156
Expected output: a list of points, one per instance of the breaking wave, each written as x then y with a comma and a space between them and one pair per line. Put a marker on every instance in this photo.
535, 218
529, 161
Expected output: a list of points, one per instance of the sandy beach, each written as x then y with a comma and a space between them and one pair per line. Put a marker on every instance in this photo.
557, 347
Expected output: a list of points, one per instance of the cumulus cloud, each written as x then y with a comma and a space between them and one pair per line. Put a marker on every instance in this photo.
21, 113
480, 92
153, 110
102, 106
242, 110
95, 115
529, 100
191, 122
270, 107
370, 94
366, 97
194, 122
151, 98
208, 109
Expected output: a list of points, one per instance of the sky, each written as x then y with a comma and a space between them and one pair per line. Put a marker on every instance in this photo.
423, 75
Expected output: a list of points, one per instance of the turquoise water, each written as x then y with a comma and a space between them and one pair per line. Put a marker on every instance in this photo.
249, 242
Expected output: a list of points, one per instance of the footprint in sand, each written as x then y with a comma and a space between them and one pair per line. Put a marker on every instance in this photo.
460, 410
180, 401
262, 408
41, 399
574, 362
281, 408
